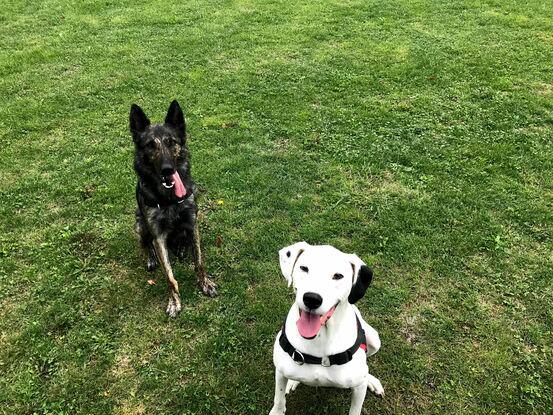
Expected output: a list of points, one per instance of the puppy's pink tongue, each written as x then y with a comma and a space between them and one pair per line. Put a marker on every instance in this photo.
308, 324
180, 190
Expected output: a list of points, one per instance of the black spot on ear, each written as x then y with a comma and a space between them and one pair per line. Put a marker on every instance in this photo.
288, 254
364, 279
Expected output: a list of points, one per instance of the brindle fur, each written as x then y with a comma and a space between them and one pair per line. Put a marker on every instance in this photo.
164, 225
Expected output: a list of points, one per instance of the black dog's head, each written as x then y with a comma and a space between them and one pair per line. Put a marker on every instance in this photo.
161, 147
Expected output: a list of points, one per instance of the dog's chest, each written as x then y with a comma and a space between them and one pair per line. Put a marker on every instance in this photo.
172, 218
340, 376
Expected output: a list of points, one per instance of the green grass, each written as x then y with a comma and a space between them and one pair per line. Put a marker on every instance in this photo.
417, 134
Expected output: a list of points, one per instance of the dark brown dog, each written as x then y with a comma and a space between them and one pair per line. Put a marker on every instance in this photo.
165, 193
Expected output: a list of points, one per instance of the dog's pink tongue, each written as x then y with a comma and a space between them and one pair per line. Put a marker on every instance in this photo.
308, 324
180, 190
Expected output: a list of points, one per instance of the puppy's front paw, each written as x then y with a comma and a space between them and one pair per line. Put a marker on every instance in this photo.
151, 264
181, 252
291, 386
375, 386
276, 411
208, 287
174, 306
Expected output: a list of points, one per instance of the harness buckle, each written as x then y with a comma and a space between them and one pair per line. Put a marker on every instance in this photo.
298, 362
325, 361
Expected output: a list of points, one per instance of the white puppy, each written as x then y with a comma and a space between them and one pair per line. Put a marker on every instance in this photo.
324, 340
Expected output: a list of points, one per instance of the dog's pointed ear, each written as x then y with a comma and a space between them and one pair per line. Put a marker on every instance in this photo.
138, 121
362, 277
288, 257
175, 119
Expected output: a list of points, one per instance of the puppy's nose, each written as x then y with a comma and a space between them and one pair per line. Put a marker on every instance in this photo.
312, 300
167, 170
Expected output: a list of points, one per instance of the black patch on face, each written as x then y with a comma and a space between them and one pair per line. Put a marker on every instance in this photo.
304, 268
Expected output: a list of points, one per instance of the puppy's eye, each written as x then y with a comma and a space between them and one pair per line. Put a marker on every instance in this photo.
337, 276
304, 268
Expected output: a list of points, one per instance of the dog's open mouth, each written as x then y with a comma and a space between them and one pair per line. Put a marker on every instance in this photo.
309, 324
174, 181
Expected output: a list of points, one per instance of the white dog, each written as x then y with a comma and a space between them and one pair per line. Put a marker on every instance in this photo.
324, 340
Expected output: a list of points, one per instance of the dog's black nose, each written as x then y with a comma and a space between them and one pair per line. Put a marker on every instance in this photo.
312, 300
167, 170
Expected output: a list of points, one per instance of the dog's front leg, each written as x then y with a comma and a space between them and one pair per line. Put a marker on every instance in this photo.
160, 246
207, 286
279, 407
357, 398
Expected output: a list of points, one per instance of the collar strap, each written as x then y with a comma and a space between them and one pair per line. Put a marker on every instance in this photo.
335, 359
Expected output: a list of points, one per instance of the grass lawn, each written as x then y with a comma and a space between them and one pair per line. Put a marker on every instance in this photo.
417, 134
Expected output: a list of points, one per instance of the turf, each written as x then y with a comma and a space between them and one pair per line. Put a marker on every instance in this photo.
417, 134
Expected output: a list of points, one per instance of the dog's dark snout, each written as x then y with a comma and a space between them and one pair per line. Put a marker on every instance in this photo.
167, 170
312, 300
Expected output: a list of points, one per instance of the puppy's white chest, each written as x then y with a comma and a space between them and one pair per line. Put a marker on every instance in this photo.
347, 375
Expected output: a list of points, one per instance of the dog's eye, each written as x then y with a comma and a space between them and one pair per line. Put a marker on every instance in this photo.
337, 276
304, 268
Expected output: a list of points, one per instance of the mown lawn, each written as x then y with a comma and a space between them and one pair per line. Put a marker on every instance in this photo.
417, 134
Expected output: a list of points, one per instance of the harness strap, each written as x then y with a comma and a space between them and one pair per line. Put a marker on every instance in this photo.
148, 201
335, 359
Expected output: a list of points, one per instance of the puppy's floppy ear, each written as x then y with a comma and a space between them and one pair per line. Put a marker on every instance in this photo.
138, 121
362, 277
288, 257
175, 119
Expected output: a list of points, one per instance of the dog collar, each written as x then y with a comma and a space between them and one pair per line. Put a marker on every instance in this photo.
335, 359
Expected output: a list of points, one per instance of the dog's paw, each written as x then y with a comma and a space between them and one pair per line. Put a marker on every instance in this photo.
276, 411
173, 307
291, 386
375, 386
181, 253
151, 264
208, 287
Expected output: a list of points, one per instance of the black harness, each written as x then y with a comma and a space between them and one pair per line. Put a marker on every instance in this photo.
151, 202
335, 359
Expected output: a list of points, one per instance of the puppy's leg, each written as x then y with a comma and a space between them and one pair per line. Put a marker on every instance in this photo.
375, 386
291, 386
207, 286
373, 340
146, 241
160, 246
279, 407
357, 398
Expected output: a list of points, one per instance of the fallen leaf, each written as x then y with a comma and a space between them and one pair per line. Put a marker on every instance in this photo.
151, 282
220, 202
218, 241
